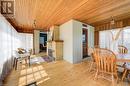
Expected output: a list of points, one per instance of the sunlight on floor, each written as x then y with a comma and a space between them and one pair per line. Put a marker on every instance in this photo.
33, 74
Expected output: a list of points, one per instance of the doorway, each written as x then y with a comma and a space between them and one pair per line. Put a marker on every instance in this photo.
43, 42
85, 42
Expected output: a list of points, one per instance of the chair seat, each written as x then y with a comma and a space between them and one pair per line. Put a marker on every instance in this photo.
120, 64
127, 65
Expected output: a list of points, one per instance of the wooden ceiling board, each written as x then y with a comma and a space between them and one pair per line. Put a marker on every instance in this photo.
56, 12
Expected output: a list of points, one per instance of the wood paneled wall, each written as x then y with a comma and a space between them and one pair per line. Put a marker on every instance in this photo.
96, 38
107, 26
22, 30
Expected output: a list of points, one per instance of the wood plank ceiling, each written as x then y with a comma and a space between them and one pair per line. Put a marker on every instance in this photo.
56, 12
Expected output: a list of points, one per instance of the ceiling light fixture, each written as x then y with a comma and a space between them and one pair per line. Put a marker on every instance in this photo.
34, 24
112, 22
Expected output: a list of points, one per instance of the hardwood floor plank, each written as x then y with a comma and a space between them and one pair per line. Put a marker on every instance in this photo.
60, 73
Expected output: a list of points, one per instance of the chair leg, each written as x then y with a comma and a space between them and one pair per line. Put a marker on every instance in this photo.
113, 82
117, 79
96, 75
124, 74
91, 65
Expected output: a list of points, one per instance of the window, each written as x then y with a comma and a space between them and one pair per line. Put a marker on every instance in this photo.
10, 40
110, 39
126, 38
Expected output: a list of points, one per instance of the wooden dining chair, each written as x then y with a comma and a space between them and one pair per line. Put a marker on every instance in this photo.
122, 49
106, 65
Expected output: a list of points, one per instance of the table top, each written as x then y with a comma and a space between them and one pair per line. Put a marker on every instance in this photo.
24, 55
123, 57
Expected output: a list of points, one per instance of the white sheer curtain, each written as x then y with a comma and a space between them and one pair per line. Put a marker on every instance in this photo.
105, 39
10, 40
110, 39
126, 38
27, 40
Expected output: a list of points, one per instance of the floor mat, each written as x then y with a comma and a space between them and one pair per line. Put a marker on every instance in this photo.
38, 60
48, 59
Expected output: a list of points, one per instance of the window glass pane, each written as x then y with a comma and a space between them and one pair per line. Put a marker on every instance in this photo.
10, 40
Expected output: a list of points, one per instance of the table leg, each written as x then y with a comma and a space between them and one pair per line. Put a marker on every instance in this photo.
29, 60
25, 60
16, 63
124, 74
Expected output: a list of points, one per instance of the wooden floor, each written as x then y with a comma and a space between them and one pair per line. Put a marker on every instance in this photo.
60, 73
